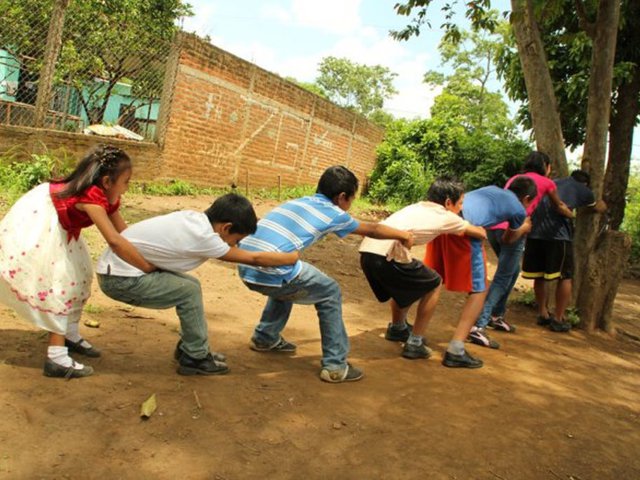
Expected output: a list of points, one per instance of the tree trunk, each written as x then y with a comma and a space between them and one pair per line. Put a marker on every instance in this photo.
620, 143
600, 280
52, 50
594, 274
542, 99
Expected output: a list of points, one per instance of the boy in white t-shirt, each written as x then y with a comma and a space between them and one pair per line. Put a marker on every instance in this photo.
393, 274
177, 243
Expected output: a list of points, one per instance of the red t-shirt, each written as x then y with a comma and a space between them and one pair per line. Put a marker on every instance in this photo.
72, 219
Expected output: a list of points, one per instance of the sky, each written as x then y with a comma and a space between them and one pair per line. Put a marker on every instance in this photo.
291, 37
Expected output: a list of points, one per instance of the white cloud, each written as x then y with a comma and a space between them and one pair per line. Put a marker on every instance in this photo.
335, 16
200, 22
276, 12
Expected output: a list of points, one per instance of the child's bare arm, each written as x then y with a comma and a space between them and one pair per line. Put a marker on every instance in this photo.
510, 236
475, 232
561, 207
118, 221
260, 259
384, 232
120, 245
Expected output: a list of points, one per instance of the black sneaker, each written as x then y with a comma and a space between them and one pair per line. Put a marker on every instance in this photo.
479, 337
544, 321
500, 324
52, 369
281, 346
461, 361
398, 335
561, 326
78, 348
348, 374
218, 357
414, 352
201, 366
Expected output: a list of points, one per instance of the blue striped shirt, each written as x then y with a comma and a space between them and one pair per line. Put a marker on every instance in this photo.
294, 225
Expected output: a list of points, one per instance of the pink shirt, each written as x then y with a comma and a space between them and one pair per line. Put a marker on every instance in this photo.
544, 186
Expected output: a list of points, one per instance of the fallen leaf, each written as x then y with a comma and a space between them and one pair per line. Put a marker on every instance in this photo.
148, 407
90, 322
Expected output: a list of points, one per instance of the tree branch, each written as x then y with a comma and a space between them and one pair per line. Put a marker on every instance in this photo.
583, 21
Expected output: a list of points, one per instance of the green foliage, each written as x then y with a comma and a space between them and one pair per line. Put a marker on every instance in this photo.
526, 298
19, 176
414, 152
309, 86
175, 187
631, 223
102, 40
362, 88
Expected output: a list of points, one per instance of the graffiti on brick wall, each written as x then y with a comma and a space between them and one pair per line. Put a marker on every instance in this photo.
321, 140
213, 106
217, 154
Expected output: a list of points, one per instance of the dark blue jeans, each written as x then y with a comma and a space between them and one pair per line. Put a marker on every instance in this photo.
509, 258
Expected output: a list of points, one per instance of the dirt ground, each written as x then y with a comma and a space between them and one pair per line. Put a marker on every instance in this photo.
545, 406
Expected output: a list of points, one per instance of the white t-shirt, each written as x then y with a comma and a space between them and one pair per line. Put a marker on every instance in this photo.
426, 220
178, 242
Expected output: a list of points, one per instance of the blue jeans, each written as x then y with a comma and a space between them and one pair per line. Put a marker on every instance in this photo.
509, 257
310, 287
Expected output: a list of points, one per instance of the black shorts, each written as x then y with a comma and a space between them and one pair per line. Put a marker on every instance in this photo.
404, 282
548, 259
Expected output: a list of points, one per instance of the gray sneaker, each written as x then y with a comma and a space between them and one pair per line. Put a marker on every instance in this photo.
52, 369
414, 352
347, 374
281, 346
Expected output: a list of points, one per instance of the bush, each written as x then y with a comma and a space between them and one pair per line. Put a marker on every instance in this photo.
631, 223
18, 177
413, 153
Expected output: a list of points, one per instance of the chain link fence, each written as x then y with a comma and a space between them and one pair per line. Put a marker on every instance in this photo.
109, 66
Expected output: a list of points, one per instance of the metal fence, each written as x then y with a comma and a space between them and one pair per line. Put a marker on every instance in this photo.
73, 66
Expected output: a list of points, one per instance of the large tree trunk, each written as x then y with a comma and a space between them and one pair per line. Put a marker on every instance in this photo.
595, 281
626, 109
620, 143
542, 100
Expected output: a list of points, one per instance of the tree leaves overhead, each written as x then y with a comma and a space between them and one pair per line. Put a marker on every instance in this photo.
362, 88
112, 40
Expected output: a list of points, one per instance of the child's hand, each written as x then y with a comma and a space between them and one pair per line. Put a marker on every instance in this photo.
408, 241
293, 257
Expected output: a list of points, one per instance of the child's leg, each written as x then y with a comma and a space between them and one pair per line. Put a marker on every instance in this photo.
275, 316
503, 281
470, 311
426, 308
162, 290
563, 297
540, 291
398, 315
313, 287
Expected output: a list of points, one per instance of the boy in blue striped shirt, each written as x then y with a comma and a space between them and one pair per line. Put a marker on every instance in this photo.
295, 225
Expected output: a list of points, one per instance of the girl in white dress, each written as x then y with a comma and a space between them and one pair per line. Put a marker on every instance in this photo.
45, 267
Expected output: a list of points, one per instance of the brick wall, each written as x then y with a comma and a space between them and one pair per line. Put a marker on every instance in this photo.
224, 120
230, 120
146, 156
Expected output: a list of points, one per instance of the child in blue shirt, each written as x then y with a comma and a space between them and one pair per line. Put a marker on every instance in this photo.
295, 225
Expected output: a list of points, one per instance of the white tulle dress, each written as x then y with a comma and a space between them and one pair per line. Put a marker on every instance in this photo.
45, 269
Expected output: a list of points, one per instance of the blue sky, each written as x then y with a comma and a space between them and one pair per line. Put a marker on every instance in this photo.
290, 38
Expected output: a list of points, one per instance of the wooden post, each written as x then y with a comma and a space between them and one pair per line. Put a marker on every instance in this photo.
279, 186
52, 50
